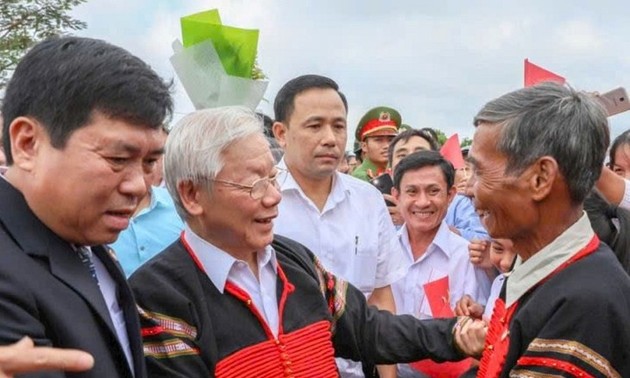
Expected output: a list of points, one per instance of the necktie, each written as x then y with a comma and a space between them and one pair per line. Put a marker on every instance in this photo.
86, 258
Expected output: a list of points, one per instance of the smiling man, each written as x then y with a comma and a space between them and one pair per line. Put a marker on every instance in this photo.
230, 299
423, 187
536, 155
81, 124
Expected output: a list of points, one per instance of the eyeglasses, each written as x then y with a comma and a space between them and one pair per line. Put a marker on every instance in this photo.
259, 188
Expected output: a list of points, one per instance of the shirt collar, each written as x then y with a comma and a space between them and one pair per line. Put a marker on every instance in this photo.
218, 263
529, 273
439, 243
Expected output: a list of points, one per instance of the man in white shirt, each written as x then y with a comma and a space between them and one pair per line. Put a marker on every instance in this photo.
424, 187
343, 220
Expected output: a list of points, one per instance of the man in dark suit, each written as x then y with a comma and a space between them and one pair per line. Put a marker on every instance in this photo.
81, 129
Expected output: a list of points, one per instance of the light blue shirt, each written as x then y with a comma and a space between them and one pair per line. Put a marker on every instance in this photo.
150, 231
461, 215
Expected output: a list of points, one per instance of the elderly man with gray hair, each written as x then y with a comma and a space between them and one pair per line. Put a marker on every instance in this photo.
536, 154
231, 299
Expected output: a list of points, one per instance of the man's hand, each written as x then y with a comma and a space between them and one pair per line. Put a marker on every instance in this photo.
470, 336
25, 357
466, 306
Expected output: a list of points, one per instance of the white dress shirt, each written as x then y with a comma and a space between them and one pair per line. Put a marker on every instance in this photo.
222, 267
108, 288
353, 236
447, 255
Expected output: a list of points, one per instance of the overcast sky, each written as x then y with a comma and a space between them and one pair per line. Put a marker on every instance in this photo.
437, 62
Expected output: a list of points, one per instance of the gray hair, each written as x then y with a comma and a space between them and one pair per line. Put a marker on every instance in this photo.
551, 120
195, 146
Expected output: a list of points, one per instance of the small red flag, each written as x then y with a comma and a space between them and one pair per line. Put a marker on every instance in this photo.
452, 152
535, 74
438, 294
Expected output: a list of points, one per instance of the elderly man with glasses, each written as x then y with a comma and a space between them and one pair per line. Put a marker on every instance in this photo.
231, 299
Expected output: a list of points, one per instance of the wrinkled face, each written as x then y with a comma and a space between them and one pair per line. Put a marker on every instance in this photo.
502, 202
622, 161
502, 254
424, 198
406, 147
315, 137
87, 191
231, 219
375, 148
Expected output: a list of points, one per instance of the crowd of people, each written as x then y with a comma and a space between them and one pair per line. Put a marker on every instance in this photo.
239, 245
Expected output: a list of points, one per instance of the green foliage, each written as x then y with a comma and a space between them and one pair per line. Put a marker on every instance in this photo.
257, 72
466, 142
23, 23
441, 136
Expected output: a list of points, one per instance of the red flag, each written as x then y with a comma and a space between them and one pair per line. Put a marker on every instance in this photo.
437, 294
535, 74
452, 152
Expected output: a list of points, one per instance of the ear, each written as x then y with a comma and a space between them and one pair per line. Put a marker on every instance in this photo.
543, 174
450, 194
280, 133
364, 147
189, 195
395, 193
27, 139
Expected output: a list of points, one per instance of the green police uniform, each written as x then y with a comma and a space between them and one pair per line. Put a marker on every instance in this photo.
378, 121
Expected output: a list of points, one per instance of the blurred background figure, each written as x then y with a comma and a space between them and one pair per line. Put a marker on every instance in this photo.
611, 223
276, 149
375, 131
344, 167
620, 155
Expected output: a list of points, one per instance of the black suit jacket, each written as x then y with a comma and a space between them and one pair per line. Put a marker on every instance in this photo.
48, 294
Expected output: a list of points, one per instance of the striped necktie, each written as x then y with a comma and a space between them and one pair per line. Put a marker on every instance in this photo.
86, 258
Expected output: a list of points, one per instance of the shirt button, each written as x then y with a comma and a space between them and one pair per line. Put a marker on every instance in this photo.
142, 248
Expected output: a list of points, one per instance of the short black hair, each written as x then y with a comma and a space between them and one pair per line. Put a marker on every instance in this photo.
423, 159
61, 82
405, 136
284, 104
623, 138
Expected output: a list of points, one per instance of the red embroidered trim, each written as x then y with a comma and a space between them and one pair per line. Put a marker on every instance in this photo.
151, 331
307, 352
497, 339
553, 363
191, 252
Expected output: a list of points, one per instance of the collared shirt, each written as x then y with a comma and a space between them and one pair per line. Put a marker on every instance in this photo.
108, 288
495, 291
446, 256
353, 236
461, 214
529, 273
221, 267
150, 231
